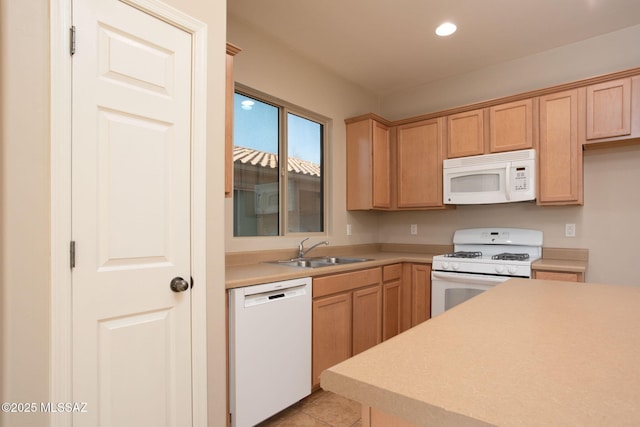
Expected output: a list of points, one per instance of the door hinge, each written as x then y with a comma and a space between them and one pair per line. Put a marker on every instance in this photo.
72, 254
72, 39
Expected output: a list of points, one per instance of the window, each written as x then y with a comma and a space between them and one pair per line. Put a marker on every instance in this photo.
278, 161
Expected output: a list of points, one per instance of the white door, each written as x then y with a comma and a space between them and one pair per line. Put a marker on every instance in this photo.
130, 217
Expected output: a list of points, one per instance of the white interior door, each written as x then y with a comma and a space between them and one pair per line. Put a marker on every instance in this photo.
131, 138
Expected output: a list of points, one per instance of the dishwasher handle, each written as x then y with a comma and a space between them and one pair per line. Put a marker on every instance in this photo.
274, 296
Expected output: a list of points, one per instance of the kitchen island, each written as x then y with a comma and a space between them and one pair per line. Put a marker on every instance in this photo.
527, 352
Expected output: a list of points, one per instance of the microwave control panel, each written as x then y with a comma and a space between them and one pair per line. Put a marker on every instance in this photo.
521, 178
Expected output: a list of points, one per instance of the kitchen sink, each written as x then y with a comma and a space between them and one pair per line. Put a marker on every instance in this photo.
319, 261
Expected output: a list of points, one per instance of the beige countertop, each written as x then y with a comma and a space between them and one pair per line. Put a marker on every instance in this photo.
247, 273
263, 272
527, 352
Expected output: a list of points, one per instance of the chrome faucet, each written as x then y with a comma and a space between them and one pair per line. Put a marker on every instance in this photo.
302, 252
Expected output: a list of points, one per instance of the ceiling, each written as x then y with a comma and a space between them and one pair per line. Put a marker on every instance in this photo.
390, 45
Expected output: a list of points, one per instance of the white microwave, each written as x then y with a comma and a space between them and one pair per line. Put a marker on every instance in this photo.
490, 178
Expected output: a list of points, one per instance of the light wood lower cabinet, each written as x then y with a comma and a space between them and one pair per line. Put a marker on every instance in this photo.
356, 310
420, 293
391, 300
367, 318
332, 332
346, 316
558, 275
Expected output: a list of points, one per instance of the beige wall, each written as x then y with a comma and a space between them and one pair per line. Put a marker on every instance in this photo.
266, 66
25, 199
607, 224
604, 223
592, 57
24, 206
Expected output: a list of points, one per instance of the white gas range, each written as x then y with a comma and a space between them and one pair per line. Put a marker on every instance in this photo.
482, 258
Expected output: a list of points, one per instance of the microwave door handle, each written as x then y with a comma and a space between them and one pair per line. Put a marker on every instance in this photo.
507, 181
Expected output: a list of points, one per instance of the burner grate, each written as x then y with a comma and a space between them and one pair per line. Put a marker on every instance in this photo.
464, 254
506, 256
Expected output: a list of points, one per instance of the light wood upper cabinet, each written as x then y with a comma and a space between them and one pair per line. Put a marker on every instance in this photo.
465, 134
381, 154
419, 159
504, 127
368, 165
228, 122
609, 109
511, 126
560, 151
612, 112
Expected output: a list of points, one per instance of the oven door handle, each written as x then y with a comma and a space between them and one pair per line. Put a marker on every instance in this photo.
469, 278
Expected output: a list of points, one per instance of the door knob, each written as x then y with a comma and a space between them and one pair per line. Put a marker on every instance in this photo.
178, 284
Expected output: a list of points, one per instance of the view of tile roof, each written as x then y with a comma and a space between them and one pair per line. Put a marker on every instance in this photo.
269, 160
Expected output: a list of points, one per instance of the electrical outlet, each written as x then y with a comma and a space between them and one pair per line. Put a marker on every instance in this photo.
348, 229
414, 229
570, 230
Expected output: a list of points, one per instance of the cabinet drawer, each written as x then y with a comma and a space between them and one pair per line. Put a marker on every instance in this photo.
558, 275
334, 283
391, 272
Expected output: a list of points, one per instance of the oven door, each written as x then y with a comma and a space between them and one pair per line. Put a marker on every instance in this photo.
451, 289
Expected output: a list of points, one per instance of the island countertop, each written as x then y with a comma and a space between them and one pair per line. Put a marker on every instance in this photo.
527, 352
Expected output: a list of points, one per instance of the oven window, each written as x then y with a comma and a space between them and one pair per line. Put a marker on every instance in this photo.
477, 183
455, 296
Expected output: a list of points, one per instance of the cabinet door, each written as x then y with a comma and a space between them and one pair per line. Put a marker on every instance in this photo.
367, 318
331, 332
381, 166
609, 109
560, 154
511, 126
465, 135
391, 300
557, 275
420, 293
368, 165
228, 126
419, 150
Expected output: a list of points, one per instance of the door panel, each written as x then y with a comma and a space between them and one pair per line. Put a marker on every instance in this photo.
130, 217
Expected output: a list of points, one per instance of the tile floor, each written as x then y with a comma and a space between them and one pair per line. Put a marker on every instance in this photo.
320, 409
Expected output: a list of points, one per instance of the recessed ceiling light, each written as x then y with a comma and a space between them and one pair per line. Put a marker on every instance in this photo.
446, 29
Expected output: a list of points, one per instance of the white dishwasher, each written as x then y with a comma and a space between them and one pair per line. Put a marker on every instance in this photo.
269, 349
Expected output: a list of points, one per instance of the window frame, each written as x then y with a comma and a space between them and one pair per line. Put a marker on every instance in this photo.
285, 108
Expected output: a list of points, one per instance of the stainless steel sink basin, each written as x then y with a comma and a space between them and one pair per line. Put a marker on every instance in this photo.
319, 261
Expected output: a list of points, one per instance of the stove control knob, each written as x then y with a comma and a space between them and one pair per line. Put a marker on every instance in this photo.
455, 266
499, 269
512, 269
445, 265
